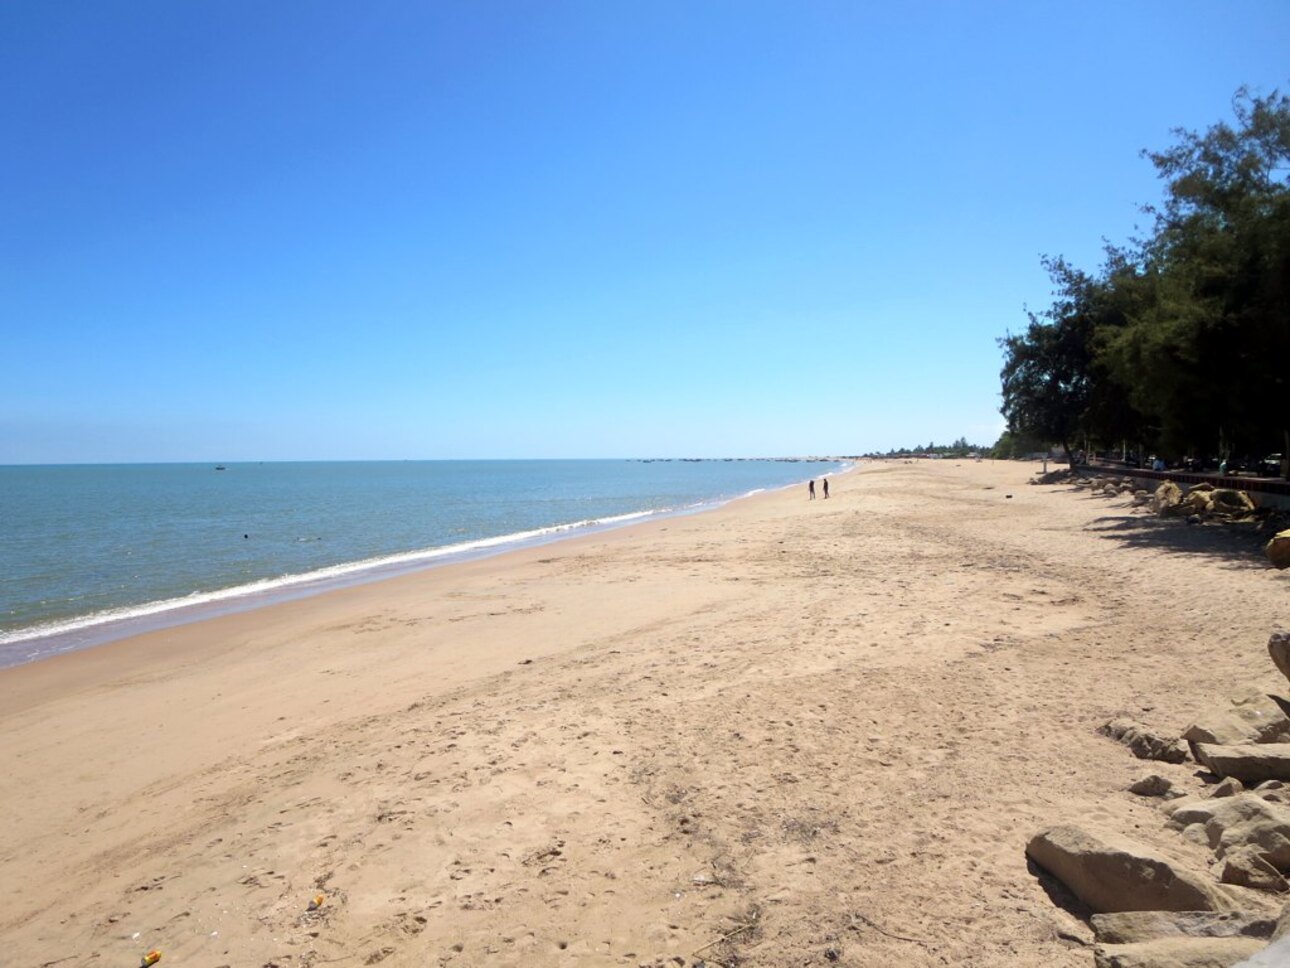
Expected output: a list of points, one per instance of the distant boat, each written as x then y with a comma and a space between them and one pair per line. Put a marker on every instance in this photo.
219, 467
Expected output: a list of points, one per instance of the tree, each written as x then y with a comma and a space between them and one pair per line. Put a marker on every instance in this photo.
1047, 370
1217, 342
1181, 342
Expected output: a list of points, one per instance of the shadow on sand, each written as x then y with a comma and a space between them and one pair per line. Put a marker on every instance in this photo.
1059, 894
1237, 544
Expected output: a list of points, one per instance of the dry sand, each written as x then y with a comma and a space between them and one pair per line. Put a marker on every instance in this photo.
820, 730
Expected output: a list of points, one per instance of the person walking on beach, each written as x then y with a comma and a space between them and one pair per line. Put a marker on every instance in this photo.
826, 488
810, 489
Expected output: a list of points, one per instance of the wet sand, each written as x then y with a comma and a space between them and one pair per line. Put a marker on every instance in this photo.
821, 731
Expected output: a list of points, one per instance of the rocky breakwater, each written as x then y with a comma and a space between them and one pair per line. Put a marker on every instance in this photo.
1151, 911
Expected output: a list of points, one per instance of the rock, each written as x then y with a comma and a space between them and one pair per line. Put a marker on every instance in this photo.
1172, 807
1249, 762
1178, 953
1274, 791
1247, 867
1278, 550
1228, 824
1152, 785
1279, 646
1254, 717
1143, 743
1130, 927
1275, 955
1228, 787
1196, 833
1167, 497
1247, 820
1114, 874
1198, 502
1282, 930
1230, 501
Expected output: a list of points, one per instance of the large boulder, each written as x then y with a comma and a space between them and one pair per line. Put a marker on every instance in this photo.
1278, 549
1167, 498
1255, 717
1110, 873
1250, 763
1178, 953
1233, 823
1247, 820
1279, 649
1227, 500
1143, 743
1198, 502
1248, 867
1130, 927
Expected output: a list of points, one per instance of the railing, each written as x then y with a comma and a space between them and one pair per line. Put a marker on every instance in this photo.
1265, 485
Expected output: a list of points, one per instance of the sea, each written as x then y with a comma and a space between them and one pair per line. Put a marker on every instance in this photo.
92, 553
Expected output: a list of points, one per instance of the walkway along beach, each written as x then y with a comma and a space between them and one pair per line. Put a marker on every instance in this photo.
780, 732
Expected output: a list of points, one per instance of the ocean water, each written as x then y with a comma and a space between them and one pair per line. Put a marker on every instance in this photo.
95, 552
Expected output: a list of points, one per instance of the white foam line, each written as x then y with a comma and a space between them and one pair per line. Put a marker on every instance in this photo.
328, 574
333, 573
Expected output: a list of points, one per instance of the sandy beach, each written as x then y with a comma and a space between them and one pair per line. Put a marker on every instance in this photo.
782, 732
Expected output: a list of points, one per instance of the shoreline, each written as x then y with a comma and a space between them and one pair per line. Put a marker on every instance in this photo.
67, 636
619, 748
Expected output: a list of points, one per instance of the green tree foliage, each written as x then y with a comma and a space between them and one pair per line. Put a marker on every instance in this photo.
1047, 371
1181, 343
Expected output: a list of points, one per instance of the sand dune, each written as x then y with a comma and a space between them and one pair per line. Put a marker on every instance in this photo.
782, 732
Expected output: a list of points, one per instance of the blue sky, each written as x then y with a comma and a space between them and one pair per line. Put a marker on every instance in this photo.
415, 230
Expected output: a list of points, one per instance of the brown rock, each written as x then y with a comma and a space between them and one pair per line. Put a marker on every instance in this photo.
1278, 551
1198, 502
1178, 953
1130, 927
1275, 791
1249, 762
1254, 717
1230, 501
1143, 743
1282, 930
1247, 867
1168, 496
1228, 787
1275, 955
1109, 873
1247, 820
1152, 785
1279, 646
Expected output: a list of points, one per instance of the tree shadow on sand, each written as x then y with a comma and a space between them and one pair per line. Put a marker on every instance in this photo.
1234, 544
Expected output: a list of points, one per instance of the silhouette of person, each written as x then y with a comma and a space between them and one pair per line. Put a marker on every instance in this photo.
810, 488
826, 488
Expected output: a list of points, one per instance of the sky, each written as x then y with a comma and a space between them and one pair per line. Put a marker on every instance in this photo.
411, 230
